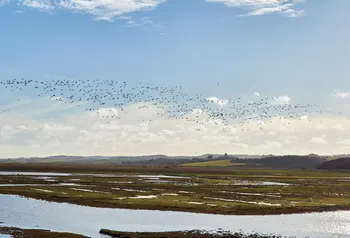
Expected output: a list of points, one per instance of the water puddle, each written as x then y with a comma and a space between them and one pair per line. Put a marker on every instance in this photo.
42, 190
48, 174
170, 194
68, 184
144, 197
21, 185
258, 183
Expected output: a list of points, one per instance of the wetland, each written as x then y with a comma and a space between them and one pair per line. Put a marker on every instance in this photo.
132, 199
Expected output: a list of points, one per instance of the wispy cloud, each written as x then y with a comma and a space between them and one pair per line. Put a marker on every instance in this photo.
110, 10
99, 9
141, 22
43, 5
264, 7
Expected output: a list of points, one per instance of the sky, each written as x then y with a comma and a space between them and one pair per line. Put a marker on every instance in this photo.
295, 50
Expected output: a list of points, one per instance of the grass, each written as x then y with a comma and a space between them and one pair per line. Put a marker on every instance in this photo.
35, 233
214, 163
205, 190
180, 234
331, 158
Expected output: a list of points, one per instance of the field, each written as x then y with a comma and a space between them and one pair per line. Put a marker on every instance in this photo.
219, 191
214, 163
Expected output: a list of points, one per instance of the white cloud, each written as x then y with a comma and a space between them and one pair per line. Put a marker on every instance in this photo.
106, 112
304, 117
100, 9
220, 102
345, 142
56, 127
82, 132
257, 94
109, 10
44, 5
198, 111
263, 7
281, 100
339, 127
271, 145
340, 94
318, 140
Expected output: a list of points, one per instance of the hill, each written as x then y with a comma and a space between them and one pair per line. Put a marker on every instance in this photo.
311, 161
337, 164
286, 162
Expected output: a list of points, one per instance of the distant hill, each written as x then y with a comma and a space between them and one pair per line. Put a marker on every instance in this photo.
274, 162
283, 162
311, 161
157, 159
337, 164
90, 159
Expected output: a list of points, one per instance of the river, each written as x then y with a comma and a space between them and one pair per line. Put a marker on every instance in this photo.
31, 213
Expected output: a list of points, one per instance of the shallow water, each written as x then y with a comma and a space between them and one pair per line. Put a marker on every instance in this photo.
33, 185
47, 174
274, 184
34, 173
259, 183
31, 213
20, 185
68, 184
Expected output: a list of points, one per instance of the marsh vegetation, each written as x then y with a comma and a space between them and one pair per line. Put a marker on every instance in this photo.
217, 191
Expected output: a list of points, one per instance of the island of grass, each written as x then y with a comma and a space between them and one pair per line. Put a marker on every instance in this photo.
16, 232
187, 234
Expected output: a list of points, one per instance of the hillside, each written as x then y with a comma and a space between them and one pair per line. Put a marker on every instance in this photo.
337, 164
286, 162
273, 162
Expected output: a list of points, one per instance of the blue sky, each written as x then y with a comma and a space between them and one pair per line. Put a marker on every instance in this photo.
274, 47
203, 42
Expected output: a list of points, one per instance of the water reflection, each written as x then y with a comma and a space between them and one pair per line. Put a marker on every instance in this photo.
33, 173
84, 174
28, 213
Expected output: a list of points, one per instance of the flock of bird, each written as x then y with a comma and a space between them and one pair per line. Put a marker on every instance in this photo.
171, 101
